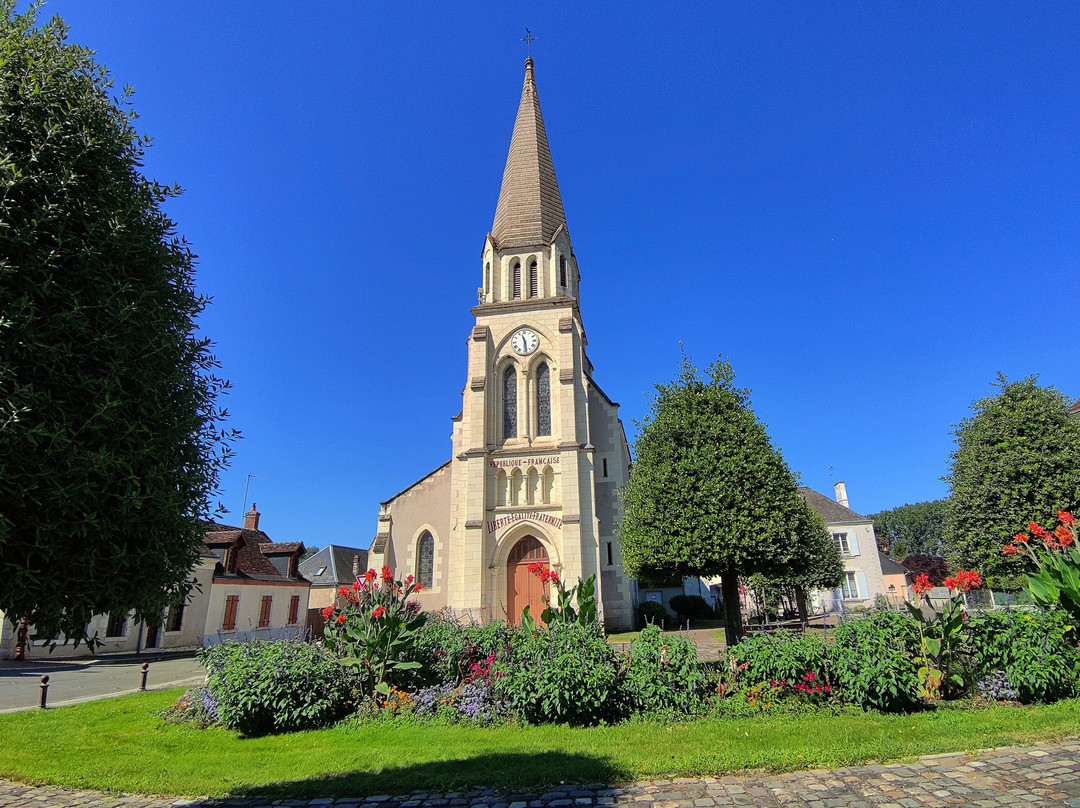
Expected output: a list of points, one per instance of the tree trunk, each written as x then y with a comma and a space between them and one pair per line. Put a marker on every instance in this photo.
21, 638
729, 586
800, 603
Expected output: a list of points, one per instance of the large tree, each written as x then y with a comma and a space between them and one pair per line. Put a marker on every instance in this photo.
909, 530
708, 493
110, 436
1017, 460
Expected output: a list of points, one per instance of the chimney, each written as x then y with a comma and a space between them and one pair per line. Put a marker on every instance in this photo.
251, 518
356, 566
841, 493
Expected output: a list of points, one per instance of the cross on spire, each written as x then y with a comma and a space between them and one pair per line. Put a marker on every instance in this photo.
528, 39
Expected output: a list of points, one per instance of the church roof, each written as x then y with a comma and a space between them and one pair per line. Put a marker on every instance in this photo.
530, 209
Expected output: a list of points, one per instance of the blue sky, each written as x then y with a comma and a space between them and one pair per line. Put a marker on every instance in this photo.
869, 209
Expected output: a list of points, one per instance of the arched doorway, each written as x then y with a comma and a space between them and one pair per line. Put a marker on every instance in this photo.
522, 587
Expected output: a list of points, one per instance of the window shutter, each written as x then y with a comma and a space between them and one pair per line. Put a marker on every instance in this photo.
853, 542
864, 592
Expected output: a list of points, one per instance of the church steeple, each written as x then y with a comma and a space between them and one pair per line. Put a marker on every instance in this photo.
530, 210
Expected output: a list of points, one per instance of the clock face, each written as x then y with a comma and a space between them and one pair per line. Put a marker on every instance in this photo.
525, 342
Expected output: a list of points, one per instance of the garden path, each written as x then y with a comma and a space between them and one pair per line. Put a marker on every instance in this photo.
1040, 775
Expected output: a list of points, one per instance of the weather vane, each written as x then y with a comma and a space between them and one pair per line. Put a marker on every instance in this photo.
528, 39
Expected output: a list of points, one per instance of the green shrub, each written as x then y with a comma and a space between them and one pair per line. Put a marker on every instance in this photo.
872, 661
691, 607
446, 649
1036, 650
262, 687
663, 676
649, 611
566, 674
784, 656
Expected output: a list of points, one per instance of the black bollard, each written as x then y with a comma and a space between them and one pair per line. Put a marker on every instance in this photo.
145, 671
44, 691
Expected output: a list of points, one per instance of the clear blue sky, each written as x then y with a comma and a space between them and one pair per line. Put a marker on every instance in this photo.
870, 209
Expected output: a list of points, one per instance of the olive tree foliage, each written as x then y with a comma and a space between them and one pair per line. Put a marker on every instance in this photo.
111, 440
708, 494
1017, 460
909, 530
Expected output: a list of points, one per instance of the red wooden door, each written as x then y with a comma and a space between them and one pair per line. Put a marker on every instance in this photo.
522, 587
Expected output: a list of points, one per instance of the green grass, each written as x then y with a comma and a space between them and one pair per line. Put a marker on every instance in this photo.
119, 744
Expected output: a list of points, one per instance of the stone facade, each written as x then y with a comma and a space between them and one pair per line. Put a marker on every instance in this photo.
538, 450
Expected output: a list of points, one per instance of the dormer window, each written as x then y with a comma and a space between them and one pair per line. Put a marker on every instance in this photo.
230, 561
292, 567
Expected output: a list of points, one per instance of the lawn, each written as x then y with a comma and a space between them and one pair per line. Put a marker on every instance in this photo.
119, 744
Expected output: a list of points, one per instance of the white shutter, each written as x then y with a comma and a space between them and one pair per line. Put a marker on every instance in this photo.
864, 592
853, 542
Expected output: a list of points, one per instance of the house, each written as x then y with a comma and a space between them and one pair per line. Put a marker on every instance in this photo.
896, 580
244, 585
854, 533
332, 567
258, 590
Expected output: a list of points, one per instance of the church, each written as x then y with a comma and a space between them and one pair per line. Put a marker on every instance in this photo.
538, 450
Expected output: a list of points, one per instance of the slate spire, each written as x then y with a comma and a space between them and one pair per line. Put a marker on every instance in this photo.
530, 209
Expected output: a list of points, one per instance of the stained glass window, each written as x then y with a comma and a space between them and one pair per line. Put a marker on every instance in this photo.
543, 400
425, 560
510, 408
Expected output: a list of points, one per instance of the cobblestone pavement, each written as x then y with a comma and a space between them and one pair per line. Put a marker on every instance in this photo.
1042, 775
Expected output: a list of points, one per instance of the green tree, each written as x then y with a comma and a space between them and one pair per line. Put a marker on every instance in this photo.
708, 494
1017, 460
909, 530
111, 439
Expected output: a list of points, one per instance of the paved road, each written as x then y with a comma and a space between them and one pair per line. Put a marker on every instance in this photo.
1038, 776
86, 680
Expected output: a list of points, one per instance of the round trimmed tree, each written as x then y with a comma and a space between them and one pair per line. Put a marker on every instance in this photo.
1017, 460
110, 435
708, 493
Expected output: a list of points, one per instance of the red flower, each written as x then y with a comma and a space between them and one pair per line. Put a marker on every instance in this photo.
554, 577
327, 612
340, 619
379, 611
408, 580
1065, 517
418, 587
1021, 537
344, 591
369, 576
1039, 532
1063, 535
1009, 549
387, 574
922, 584
964, 581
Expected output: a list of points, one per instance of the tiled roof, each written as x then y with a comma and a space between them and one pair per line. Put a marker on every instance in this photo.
251, 558
890, 567
336, 563
530, 209
1075, 408
829, 510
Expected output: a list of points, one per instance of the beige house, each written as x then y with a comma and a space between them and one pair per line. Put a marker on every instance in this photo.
538, 449
243, 586
854, 533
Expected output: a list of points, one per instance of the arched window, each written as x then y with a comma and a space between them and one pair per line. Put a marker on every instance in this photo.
517, 280
500, 488
532, 489
548, 485
425, 559
534, 280
517, 481
562, 271
510, 409
543, 400
487, 278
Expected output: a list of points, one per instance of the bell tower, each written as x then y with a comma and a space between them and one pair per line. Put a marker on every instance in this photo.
524, 443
